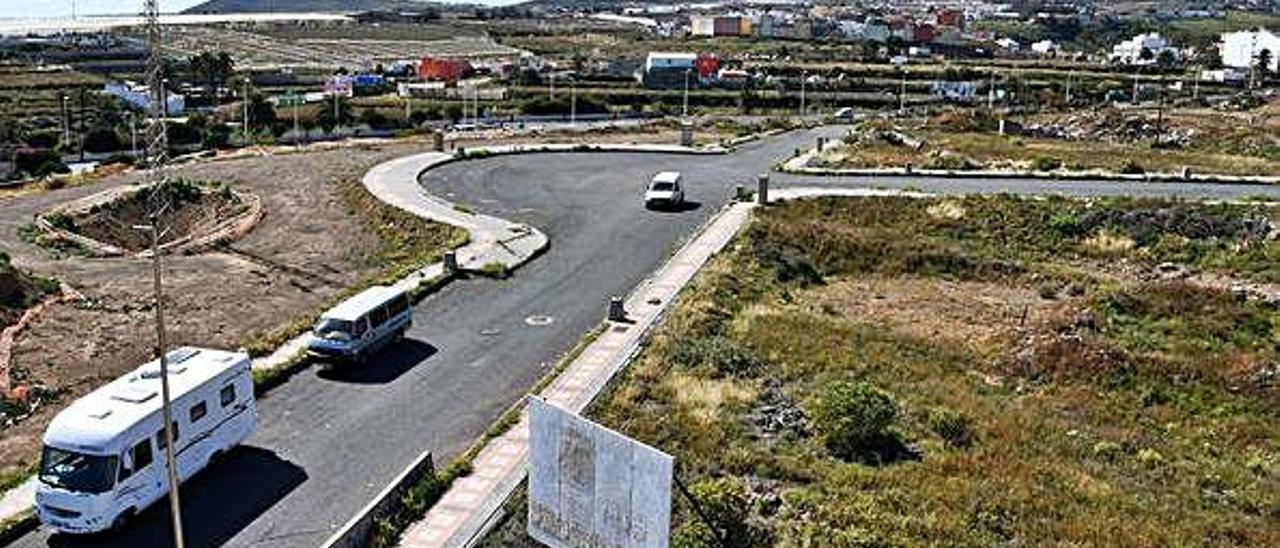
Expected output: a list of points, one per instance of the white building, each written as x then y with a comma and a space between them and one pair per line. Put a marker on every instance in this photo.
140, 97
1143, 49
1045, 48
1240, 49
1009, 45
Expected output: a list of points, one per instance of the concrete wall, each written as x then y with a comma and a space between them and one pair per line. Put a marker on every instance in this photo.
355, 534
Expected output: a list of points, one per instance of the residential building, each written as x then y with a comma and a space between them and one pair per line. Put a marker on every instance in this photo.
1241, 50
668, 69
706, 26
140, 97
1143, 49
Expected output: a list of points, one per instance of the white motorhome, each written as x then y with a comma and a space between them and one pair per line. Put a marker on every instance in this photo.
103, 458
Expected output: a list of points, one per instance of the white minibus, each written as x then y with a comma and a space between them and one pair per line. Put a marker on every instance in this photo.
361, 325
103, 459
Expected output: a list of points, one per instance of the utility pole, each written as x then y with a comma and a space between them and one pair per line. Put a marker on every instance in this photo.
684, 109
1069, 75
247, 139
551, 90
804, 77
157, 156
133, 134
297, 135
573, 104
80, 121
991, 91
66, 120
902, 95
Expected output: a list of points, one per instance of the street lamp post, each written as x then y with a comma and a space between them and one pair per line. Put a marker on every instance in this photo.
573, 104
133, 134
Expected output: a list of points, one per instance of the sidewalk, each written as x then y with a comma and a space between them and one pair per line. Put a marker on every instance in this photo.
460, 517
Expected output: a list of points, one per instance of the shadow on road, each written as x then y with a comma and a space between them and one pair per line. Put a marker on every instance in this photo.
383, 367
681, 207
216, 504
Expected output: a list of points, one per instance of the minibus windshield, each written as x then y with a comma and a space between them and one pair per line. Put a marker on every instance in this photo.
332, 329
76, 471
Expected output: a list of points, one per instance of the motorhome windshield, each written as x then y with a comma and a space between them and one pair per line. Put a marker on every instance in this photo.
332, 329
77, 472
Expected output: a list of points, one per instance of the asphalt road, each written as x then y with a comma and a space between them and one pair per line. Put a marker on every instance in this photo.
330, 440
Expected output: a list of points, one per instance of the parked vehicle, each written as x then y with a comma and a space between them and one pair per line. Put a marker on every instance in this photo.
103, 459
666, 189
361, 325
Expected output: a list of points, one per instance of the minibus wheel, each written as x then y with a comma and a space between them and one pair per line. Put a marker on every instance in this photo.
122, 519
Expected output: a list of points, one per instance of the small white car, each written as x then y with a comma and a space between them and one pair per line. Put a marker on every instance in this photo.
665, 190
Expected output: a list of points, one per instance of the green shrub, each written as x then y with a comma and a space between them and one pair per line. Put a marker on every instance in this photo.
60, 220
1132, 167
727, 504
952, 426
1046, 163
853, 418
725, 356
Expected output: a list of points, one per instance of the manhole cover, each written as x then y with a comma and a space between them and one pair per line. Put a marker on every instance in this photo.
539, 321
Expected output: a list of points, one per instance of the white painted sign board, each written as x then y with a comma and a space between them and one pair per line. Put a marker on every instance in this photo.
592, 487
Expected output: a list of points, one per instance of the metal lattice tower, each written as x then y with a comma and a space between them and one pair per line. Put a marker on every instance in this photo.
157, 137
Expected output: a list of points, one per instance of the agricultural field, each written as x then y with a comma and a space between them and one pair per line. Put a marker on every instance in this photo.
1135, 142
262, 51
971, 372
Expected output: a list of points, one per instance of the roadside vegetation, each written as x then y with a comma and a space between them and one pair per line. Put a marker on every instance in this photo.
1205, 141
972, 371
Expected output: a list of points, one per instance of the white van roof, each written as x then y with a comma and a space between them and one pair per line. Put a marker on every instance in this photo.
93, 423
351, 309
667, 177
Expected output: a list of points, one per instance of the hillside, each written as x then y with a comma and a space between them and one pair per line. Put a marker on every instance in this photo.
302, 6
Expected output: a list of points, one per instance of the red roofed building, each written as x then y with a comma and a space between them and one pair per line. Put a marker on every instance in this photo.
707, 65
949, 17
446, 70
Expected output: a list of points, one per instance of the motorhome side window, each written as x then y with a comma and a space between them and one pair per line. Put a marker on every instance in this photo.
160, 436
228, 395
141, 455
198, 411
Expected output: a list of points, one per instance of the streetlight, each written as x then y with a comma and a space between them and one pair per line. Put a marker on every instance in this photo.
573, 103
166, 406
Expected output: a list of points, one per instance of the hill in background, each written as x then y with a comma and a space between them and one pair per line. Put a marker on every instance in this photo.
304, 6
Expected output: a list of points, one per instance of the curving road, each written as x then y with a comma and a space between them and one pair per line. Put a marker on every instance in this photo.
330, 441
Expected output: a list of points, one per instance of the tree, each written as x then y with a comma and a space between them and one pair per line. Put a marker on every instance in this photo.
103, 139
1264, 64
1167, 59
1146, 54
211, 69
261, 112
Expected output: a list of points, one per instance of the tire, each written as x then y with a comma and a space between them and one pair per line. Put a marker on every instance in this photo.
123, 519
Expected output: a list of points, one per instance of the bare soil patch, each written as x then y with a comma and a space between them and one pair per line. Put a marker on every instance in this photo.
309, 247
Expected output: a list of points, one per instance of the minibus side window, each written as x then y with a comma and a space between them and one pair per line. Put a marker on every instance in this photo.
398, 305
358, 329
377, 317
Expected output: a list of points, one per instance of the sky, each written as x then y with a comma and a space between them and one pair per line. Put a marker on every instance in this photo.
64, 8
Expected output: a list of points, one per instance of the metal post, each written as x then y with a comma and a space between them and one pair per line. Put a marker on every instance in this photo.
902, 95
617, 309
297, 134
573, 105
451, 263
991, 91
66, 120
762, 189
